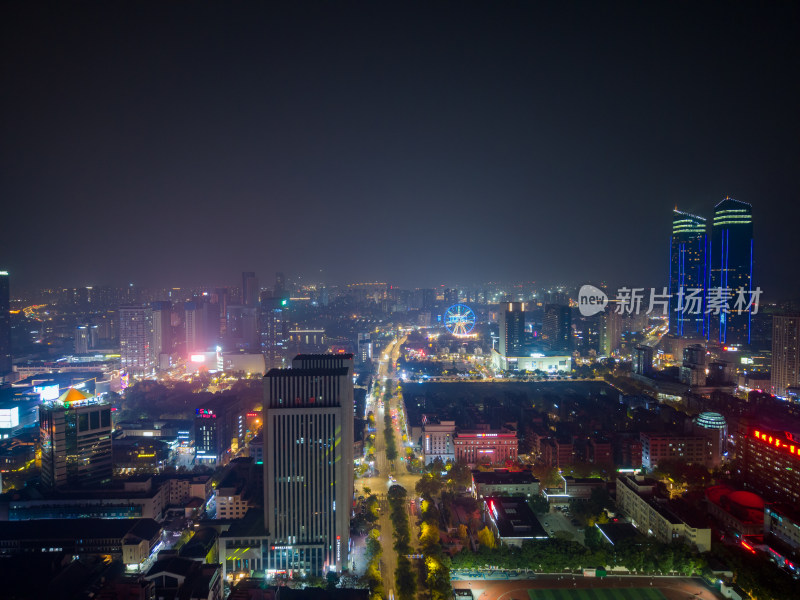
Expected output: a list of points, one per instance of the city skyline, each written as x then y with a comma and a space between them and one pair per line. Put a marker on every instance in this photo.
399, 301
486, 143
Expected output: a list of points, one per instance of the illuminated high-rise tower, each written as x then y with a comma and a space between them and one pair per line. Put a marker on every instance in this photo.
136, 339
512, 328
731, 267
688, 270
308, 464
274, 330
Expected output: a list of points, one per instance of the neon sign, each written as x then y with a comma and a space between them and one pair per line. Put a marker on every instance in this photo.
786, 444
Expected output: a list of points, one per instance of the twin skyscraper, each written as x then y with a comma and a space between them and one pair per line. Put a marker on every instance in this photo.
720, 259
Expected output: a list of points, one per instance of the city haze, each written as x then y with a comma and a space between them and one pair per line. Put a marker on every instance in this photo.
181, 144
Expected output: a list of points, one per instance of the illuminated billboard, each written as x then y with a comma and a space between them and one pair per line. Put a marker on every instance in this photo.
9, 417
47, 392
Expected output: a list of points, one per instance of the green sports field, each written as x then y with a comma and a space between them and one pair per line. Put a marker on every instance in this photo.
647, 593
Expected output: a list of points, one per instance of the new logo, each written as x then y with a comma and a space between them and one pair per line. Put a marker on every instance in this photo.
591, 300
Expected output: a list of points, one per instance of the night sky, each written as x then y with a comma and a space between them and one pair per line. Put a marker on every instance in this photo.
442, 142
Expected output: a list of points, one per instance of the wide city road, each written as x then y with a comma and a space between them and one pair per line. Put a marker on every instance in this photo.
380, 483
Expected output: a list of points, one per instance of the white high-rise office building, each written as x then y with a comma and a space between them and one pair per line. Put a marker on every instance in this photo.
308, 464
785, 372
162, 333
136, 339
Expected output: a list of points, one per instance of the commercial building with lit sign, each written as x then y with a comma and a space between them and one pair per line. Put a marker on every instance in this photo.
538, 361
486, 447
308, 464
771, 463
75, 433
219, 425
437, 441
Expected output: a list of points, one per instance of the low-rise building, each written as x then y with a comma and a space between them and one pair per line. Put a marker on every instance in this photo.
232, 498
486, 447
572, 489
177, 577
691, 449
783, 523
657, 517
242, 547
438, 441
502, 482
131, 539
737, 511
558, 453
511, 520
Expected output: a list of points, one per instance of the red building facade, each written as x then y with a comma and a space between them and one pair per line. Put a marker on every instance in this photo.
486, 447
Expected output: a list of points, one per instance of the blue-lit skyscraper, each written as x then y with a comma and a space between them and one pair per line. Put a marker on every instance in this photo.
732, 267
688, 264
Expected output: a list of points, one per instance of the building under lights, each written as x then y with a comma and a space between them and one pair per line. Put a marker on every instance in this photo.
486, 447
536, 361
512, 329
75, 434
688, 263
308, 464
731, 267
785, 371
771, 464
136, 339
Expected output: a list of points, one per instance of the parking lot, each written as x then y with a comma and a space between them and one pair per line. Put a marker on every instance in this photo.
556, 521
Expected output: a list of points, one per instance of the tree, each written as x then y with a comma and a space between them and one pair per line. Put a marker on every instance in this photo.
592, 539
486, 538
397, 492
405, 579
429, 485
539, 505
429, 537
463, 534
460, 474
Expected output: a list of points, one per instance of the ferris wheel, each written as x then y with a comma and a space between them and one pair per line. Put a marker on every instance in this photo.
459, 319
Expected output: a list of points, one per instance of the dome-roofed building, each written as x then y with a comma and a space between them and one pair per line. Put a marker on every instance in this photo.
738, 511
713, 426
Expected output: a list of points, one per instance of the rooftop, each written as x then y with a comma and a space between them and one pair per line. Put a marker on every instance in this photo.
330, 357
503, 476
47, 529
618, 532
334, 372
514, 518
